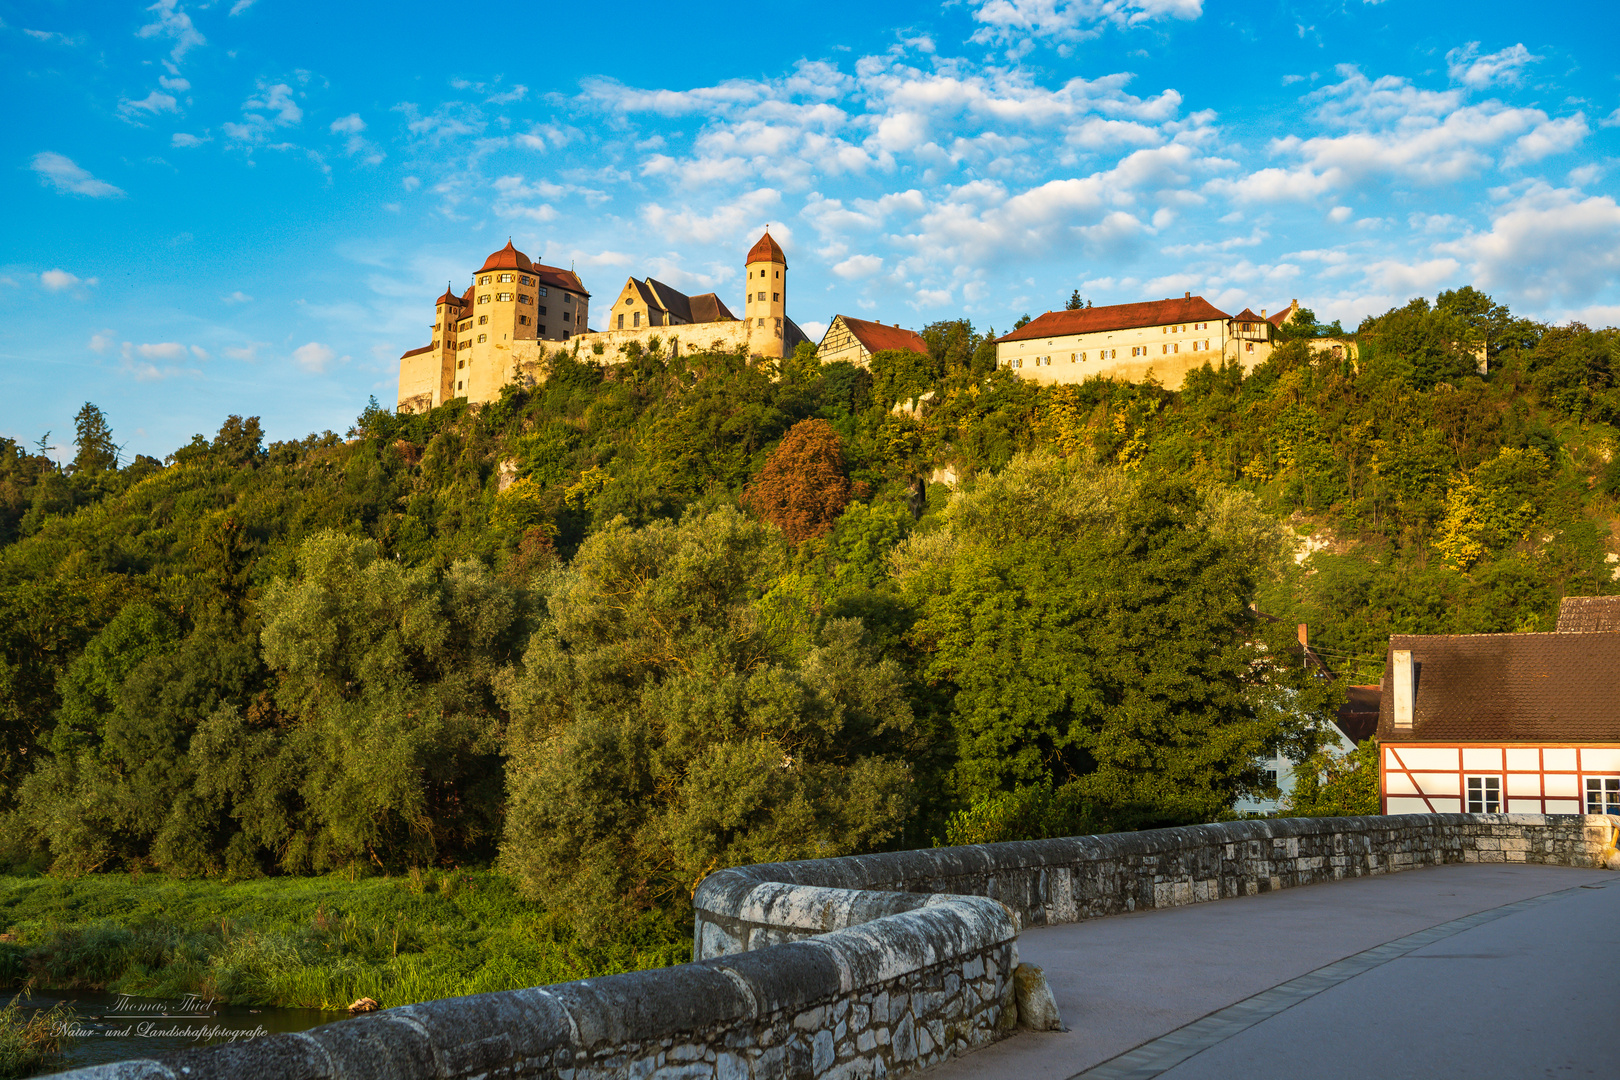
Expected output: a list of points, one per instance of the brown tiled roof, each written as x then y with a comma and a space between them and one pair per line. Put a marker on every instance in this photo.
708, 307
508, 258
558, 278
1247, 315
1508, 688
671, 300
1282, 316
765, 250
1589, 615
417, 352
877, 337
1119, 317
1358, 717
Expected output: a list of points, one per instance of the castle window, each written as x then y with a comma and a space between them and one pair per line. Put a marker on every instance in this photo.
482, 319
779, 273
483, 338
629, 300
460, 364
621, 322
542, 309
458, 386
523, 279
637, 319
484, 299
762, 322
506, 277
541, 290
542, 328
525, 299
523, 320
484, 280
1250, 347
467, 344
503, 297
775, 297
569, 318
568, 298
761, 296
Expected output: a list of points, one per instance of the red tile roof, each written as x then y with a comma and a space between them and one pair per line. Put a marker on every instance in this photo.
877, 337
558, 278
766, 250
708, 307
1119, 317
418, 352
1589, 614
1358, 717
1508, 688
508, 258
1246, 315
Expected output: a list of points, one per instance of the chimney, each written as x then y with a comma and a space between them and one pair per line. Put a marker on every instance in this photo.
1403, 689
1186, 296
1293, 305
1262, 313
1304, 638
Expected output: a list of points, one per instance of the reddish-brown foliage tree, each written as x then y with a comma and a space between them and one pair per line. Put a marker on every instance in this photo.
802, 488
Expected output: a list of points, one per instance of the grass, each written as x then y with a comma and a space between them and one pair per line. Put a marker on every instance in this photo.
306, 942
31, 1041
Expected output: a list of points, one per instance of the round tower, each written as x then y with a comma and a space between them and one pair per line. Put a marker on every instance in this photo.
765, 303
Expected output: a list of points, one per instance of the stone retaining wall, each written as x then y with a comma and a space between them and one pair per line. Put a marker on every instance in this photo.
836, 969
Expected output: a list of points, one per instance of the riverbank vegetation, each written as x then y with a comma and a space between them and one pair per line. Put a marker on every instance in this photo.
644, 620
313, 942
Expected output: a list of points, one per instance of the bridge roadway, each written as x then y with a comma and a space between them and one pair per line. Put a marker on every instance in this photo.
1467, 971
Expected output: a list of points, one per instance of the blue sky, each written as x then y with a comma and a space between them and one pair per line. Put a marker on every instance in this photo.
248, 206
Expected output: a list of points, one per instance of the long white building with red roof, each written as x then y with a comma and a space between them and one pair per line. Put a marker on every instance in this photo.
1166, 338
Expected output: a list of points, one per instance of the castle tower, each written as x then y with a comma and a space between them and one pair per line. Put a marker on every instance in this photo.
446, 310
765, 303
503, 312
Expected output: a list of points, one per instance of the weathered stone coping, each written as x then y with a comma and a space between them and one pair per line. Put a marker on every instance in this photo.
863, 966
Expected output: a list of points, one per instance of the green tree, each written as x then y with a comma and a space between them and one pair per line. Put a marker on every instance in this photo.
1076, 302
1094, 630
97, 452
1331, 784
668, 719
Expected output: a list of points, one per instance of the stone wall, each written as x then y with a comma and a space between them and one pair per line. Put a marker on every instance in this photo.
837, 969
1086, 877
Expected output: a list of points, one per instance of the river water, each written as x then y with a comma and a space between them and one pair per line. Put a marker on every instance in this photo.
112, 1027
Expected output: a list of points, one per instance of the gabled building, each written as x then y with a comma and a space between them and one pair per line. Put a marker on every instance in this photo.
650, 302
1127, 341
1501, 723
855, 340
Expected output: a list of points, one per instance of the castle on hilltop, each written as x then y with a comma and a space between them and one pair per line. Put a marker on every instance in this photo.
495, 332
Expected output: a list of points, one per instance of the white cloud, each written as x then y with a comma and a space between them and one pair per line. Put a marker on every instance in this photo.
348, 125
199, 352
1548, 244
182, 140
101, 341
1396, 278
154, 103
1019, 22
278, 99
517, 93
1340, 214
314, 357
743, 216
241, 6
173, 22
1553, 137
237, 297
176, 84
858, 266
54, 35
813, 330
1466, 66
247, 353
59, 280
163, 350
62, 173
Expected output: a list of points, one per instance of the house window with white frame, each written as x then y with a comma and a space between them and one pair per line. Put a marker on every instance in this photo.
1603, 794
1484, 795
